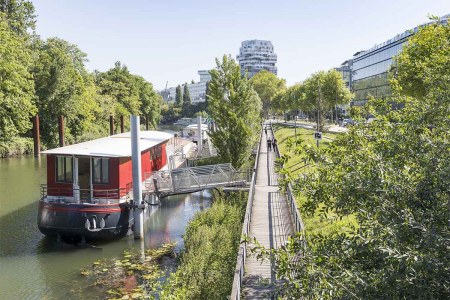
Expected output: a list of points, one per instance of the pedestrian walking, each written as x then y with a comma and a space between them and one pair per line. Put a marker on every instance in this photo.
274, 143
269, 144
265, 131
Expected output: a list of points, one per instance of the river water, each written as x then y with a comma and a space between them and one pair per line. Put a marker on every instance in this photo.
35, 267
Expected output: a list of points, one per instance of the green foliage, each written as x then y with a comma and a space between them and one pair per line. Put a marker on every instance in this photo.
112, 276
121, 85
267, 85
132, 94
171, 114
186, 100
16, 146
49, 78
425, 63
235, 108
178, 96
211, 245
392, 176
19, 15
318, 94
151, 101
63, 87
16, 84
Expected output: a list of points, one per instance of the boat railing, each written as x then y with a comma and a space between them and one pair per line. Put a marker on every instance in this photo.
71, 195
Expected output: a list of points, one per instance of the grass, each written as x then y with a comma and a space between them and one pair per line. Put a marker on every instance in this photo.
315, 223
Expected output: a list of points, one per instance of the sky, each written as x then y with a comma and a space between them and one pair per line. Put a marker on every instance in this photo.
170, 40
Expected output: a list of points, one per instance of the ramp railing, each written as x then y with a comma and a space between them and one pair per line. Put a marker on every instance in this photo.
195, 178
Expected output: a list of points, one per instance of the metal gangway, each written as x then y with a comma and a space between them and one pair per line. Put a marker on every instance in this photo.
193, 179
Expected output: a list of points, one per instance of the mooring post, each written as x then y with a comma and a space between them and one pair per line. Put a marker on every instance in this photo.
111, 125
36, 139
199, 134
121, 125
137, 178
61, 130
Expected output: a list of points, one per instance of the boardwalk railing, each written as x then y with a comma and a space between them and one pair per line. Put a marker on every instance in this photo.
242, 254
295, 213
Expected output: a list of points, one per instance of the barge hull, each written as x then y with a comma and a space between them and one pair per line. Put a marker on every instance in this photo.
94, 222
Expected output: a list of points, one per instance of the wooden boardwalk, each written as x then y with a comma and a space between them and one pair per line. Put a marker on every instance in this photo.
271, 224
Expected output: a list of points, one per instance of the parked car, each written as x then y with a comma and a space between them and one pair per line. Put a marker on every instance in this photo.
347, 122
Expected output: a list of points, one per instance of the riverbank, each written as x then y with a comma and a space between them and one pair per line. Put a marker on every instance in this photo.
212, 239
18, 146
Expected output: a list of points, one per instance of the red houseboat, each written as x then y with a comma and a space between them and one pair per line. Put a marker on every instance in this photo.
89, 185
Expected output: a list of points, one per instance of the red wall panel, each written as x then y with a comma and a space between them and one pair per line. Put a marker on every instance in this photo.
56, 188
120, 173
113, 181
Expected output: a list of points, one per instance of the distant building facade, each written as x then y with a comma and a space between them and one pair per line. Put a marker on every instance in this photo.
255, 56
197, 90
369, 69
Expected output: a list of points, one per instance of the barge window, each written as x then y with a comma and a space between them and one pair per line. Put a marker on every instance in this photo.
100, 170
64, 169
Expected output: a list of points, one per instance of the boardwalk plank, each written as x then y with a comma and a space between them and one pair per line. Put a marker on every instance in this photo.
271, 225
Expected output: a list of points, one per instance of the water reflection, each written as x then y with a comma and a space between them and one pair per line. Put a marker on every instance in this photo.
34, 266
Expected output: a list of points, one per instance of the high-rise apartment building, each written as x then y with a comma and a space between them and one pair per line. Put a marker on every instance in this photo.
255, 56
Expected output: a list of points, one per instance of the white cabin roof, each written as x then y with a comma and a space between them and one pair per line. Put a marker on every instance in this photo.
118, 145
195, 126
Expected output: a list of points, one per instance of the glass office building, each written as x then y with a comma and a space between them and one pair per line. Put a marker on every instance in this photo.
370, 68
370, 76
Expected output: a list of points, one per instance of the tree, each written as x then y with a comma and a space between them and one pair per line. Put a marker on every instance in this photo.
178, 96
151, 101
235, 108
334, 91
120, 84
63, 87
16, 84
19, 15
314, 97
430, 48
392, 175
322, 92
186, 101
132, 94
267, 85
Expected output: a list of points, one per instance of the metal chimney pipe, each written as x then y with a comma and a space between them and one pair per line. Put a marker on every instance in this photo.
137, 178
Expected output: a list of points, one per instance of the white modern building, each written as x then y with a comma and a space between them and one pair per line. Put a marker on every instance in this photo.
197, 90
255, 56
